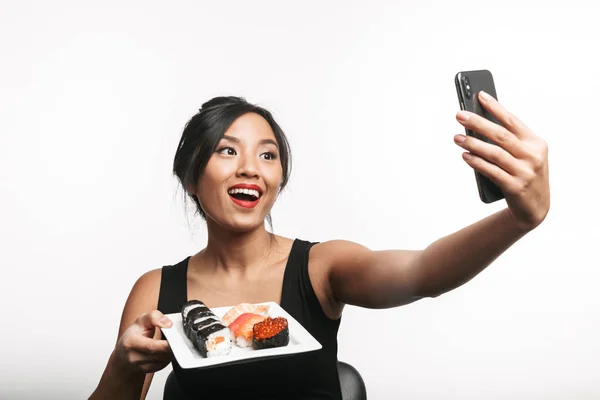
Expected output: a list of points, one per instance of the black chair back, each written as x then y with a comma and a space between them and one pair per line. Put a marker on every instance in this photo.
172, 390
352, 383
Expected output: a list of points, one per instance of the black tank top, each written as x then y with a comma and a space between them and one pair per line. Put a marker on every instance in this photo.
304, 376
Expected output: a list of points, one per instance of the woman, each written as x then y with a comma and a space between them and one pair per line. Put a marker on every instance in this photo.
231, 145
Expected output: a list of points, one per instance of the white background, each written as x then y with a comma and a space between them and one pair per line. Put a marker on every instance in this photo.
93, 101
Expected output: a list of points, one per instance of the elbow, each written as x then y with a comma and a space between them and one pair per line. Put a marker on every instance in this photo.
429, 292
435, 295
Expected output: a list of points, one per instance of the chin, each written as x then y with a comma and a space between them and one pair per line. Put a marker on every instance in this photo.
240, 223
246, 227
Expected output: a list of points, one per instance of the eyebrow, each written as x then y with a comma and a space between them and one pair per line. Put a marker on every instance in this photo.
264, 141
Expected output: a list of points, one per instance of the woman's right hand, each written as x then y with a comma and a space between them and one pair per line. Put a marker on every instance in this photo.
138, 351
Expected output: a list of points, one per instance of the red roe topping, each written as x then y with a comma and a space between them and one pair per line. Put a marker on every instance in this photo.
269, 327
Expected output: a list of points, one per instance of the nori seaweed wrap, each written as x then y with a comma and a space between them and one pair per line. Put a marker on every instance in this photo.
272, 332
205, 329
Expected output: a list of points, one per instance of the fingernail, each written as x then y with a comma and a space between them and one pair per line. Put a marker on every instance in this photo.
484, 96
165, 321
463, 116
459, 138
467, 156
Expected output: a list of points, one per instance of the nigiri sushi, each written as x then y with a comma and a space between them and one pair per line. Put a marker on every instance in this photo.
271, 332
243, 308
241, 328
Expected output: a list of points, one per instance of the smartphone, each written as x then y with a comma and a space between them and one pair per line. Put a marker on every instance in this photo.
468, 84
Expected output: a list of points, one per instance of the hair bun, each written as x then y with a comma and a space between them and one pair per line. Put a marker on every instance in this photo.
222, 101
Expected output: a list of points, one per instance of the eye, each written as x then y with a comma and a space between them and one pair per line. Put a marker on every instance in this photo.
269, 155
229, 151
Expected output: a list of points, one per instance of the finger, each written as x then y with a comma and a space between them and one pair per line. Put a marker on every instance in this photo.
496, 174
496, 133
154, 367
148, 365
489, 152
153, 319
139, 357
143, 344
506, 118
142, 356
153, 346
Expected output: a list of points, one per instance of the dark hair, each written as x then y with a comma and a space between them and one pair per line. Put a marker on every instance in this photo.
204, 131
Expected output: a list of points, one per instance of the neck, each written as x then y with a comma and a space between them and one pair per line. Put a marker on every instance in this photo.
236, 252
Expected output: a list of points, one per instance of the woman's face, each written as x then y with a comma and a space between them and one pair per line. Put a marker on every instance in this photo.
241, 180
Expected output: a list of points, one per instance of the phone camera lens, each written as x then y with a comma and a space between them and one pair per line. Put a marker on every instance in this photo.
467, 86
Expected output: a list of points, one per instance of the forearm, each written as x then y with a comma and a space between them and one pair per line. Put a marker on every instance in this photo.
117, 384
457, 258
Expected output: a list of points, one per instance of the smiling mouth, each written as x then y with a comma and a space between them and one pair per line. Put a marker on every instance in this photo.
247, 198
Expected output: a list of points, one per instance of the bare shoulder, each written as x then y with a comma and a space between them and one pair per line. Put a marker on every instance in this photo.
146, 288
328, 256
332, 252
147, 285
142, 298
323, 258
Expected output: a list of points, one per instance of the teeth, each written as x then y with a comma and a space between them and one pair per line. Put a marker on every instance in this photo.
250, 192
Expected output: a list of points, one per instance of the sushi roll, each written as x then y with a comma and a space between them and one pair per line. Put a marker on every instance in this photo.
242, 328
198, 314
271, 332
189, 306
190, 311
205, 329
210, 337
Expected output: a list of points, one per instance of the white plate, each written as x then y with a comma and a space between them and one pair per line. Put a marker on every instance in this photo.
189, 357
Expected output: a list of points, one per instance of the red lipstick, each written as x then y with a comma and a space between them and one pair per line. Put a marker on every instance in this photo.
244, 202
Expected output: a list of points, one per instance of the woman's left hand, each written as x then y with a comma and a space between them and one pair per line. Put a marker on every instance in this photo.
518, 164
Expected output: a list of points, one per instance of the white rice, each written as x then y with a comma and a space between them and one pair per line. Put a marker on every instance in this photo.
222, 348
242, 342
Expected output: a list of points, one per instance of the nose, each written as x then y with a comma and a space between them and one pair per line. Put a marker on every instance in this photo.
247, 167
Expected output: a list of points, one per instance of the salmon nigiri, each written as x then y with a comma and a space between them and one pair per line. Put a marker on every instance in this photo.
243, 308
242, 328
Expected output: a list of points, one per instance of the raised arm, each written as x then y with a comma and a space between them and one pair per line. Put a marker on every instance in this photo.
390, 278
380, 279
